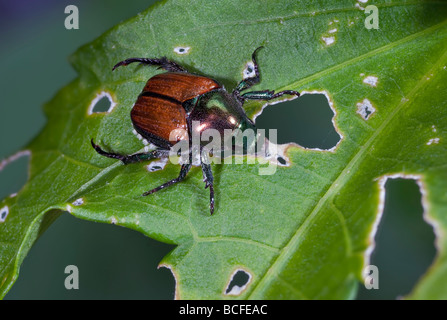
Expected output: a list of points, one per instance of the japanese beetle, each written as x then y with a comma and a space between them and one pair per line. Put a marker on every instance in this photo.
174, 99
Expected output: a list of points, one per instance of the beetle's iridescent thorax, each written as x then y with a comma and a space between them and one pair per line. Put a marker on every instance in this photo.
219, 110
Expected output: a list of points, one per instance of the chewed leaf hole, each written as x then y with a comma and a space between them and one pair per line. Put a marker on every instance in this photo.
238, 282
249, 70
78, 202
371, 81
307, 121
4, 213
404, 241
433, 141
13, 173
281, 160
365, 109
102, 103
328, 40
157, 165
182, 50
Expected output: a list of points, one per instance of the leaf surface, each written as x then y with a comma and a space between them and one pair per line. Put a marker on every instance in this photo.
304, 232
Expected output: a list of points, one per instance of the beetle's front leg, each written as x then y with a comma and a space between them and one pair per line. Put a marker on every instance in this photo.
162, 62
248, 82
133, 158
267, 94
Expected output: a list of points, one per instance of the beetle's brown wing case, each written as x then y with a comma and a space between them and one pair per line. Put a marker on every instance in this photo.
158, 110
180, 86
155, 117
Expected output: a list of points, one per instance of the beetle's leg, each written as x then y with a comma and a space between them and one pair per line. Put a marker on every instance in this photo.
248, 82
183, 171
208, 178
137, 157
267, 94
163, 62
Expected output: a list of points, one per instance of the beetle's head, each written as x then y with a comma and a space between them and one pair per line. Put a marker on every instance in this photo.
221, 112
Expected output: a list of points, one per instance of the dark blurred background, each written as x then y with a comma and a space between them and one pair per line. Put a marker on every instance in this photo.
117, 263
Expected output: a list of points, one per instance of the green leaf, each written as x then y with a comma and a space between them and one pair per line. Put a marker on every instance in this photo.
305, 231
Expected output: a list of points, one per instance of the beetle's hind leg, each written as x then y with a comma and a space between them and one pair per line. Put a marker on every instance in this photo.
133, 158
163, 63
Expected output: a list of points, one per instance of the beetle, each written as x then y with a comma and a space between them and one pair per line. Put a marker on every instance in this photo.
174, 100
